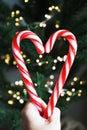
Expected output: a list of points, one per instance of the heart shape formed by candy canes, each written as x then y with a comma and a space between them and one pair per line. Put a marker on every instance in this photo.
45, 110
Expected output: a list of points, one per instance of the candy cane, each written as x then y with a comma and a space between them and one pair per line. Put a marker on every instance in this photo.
48, 110
21, 65
66, 67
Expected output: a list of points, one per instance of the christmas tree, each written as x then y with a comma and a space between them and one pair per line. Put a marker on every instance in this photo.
43, 18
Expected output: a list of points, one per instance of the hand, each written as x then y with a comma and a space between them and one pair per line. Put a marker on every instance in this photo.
31, 119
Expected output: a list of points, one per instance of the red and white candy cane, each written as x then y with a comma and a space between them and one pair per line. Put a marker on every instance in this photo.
65, 69
48, 109
21, 65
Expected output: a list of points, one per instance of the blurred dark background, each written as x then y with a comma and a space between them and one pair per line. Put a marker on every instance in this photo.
43, 18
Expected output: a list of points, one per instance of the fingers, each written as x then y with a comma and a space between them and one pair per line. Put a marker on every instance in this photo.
32, 119
30, 107
31, 114
28, 111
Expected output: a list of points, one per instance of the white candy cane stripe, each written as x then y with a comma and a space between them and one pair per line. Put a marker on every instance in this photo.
21, 65
66, 67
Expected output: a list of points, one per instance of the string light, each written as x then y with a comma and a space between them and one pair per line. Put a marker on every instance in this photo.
55, 61
35, 84
8, 24
53, 67
17, 12
42, 24
69, 93
20, 18
7, 58
24, 91
26, 1
46, 85
40, 56
10, 92
40, 64
54, 8
37, 60
64, 58
17, 19
57, 9
18, 97
18, 93
62, 93
28, 61
10, 102
51, 83
72, 83
57, 25
47, 16
12, 14
12, 84
16, 82
46, 62
50, 8
80, 91
68, 99
50, 90
20, 83
17, 24
59, 59
79, 94
51, 76
14, 95
75, 79
24, 56
81, 82
14, 63
21, 101
73, 90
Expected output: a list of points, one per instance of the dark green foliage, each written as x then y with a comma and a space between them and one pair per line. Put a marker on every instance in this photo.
10, 118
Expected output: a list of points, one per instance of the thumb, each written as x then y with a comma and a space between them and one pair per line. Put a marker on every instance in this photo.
55, 119
56, 115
